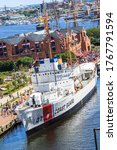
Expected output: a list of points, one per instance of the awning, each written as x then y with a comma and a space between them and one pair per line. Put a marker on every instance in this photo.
79, 55
86, 53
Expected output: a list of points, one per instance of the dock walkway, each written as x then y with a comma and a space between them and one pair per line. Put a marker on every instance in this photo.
6, 99
7, 118
6, 122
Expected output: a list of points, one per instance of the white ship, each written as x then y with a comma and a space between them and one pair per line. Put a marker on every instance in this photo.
59, 90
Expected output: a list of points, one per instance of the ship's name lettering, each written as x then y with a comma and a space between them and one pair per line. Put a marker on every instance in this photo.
69, 103
58, 110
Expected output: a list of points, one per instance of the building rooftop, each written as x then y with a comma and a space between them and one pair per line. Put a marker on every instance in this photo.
13, 40
36, 37
40, 35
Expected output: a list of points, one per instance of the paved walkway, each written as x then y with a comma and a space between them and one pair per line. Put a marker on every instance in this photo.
5, 99
7, 119
4, 120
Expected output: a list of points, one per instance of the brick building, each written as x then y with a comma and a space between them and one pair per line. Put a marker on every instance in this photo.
36, 44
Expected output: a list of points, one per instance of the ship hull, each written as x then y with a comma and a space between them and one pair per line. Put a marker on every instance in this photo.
69, 112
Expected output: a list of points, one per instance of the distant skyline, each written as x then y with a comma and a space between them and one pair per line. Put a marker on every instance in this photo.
13, 3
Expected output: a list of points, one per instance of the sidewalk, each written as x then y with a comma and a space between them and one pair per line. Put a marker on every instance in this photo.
4, 120
6, 123
5, 99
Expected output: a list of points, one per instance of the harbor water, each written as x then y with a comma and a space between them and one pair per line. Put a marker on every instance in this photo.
11, 30
72, 133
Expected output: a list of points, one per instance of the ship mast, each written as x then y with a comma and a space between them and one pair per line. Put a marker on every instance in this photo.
56, 14
74, 13
45, 17
68, 43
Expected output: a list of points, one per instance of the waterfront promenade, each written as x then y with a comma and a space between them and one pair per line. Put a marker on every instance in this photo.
22, 91
8, 115
5, 120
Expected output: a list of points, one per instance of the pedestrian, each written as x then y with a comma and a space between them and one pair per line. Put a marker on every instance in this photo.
10, 95
17, 94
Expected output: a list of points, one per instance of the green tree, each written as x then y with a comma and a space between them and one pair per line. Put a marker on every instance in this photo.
94, 35
67, 56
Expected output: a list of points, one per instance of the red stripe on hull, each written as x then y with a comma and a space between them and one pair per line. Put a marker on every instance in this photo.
47, 112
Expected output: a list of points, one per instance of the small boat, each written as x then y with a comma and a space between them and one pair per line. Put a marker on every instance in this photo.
40, 27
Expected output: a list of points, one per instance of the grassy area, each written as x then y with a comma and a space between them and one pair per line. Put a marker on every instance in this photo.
10, 83
5, 74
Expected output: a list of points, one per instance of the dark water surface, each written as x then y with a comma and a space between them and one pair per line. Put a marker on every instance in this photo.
73, 133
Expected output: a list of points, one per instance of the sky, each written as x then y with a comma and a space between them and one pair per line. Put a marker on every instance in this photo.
12, 3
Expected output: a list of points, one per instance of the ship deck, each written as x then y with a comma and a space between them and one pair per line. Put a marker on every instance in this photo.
83, 82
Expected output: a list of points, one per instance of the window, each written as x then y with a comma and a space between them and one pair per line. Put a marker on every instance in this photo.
52, 38
53, 49
53, 44
17, 51
5, 49
5, 54
37, 45
24, 46
27, 46
1, 52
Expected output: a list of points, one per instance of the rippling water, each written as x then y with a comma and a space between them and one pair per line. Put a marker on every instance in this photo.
74, 133
10, 30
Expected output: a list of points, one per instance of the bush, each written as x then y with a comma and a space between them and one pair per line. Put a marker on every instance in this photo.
7, 66
25, 62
